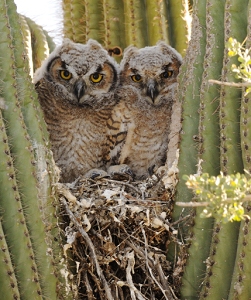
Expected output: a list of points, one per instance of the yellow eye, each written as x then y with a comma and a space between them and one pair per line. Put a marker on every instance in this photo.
167, 74
66, 75
136, 78
96, 77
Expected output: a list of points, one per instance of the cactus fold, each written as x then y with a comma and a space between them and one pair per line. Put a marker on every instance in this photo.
126, 22
27, 204
216, 146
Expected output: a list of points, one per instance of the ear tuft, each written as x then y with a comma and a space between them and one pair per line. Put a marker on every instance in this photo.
167, 50
94, 45
128, 54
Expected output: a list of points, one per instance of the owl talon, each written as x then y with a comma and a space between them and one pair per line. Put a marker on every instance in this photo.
120, 172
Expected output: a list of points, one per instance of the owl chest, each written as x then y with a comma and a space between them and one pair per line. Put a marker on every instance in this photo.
78, 143
146, 142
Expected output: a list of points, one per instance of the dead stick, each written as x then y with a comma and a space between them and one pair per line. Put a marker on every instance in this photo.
201, 204
234, 84
164, 281
150, 270
91, 248
123, 183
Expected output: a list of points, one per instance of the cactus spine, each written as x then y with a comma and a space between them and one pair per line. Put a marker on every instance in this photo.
240, 285
27, 203
213, 250
125, 22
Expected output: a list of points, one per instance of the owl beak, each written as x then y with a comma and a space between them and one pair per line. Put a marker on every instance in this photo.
79, 89
152, 90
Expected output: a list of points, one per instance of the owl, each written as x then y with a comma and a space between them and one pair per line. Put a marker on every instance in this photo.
75, 87
145, 97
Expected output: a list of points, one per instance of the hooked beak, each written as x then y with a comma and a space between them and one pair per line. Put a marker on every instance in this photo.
79, 89
152, 90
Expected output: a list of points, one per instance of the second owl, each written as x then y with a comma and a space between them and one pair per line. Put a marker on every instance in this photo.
148, 80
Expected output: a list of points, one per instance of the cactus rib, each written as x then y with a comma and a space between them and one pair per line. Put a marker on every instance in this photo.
190, 98
8, 281
178, 14
40, 47
135, 23
157, 21
21, 149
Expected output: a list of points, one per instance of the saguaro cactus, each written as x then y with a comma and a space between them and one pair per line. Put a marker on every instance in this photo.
30, 257
214, 134
122, 23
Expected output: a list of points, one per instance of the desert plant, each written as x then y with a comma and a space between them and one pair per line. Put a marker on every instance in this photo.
212, 131
122, 23
30, 238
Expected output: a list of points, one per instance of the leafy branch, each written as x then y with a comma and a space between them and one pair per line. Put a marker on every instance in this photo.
222, 196
243, 70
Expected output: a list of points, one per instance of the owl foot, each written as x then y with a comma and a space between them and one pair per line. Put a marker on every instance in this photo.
120, 172
96, 174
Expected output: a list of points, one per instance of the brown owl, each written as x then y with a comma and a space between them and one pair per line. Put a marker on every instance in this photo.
146, 91
75, 86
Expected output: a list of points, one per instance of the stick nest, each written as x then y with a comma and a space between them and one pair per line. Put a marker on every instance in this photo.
118, 233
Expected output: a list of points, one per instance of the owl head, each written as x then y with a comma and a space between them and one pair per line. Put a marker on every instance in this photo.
151, 70
84, 74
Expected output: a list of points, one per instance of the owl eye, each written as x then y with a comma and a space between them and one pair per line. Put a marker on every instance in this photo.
66, 75
96, 77
136, 78
167, 74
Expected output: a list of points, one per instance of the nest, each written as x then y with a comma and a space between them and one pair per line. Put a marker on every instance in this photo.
118, 232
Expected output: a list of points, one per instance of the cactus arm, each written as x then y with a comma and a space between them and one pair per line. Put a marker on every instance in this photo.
208, 146
112, 23
27, 42
198, 252
235, 26
21, 146
190, 99
67, 10
240, 286
225, 237
135, 23
76, 20
94, 18
8, 281
40, 49
157, 21
246, 111
14, 224
209, 130
178, 14
50, 41
80, 21
220, 261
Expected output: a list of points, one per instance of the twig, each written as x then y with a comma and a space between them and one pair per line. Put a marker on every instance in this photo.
201, 204
234, 84
138, 251
150, 270
98, 286
129, 269
88, 287
181, 220
91, 248
123, 183
163, 279
192, 204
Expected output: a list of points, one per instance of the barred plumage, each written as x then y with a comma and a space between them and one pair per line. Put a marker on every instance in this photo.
76, 87
145, 98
